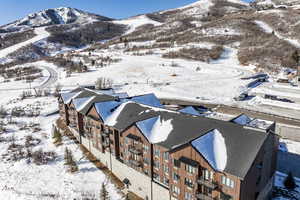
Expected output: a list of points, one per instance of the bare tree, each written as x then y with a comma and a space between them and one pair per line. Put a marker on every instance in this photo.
103, 83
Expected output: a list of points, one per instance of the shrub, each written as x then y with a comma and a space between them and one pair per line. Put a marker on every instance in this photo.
289, 182
41, 158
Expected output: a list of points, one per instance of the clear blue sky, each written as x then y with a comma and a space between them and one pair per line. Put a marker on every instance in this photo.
11, 10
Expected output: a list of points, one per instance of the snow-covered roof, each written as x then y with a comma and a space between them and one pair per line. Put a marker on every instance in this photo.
259, 123
80, 103
242, 119
66, 97
155, 129
111, 119
213, 148
147, 99
105, 109
245, 120
190, 110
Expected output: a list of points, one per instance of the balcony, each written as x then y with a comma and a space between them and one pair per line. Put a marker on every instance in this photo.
210, 184
135, 150
105, 143
105, 134
135, 163
201, 196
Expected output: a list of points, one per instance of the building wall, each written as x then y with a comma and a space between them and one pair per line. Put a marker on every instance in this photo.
189, 152
261, 173
126, 155
116, 157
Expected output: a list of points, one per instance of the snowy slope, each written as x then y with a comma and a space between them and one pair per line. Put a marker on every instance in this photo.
62, 15
41, 34
137, 21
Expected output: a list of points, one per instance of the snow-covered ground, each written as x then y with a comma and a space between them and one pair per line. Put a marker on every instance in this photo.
217, 82
137, 21
28, 181
269, 29
279, 182
289, 146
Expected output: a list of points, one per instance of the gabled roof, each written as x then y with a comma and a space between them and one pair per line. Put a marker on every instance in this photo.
213, 148
245, 120
190, 110
155, 129
242, 144
110, 112
146, 99
171, 129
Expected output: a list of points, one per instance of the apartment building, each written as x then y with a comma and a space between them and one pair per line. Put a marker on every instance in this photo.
163, 154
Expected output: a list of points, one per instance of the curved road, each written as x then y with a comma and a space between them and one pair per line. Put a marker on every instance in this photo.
53, 77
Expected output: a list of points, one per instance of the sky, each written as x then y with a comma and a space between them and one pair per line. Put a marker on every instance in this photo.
11, 10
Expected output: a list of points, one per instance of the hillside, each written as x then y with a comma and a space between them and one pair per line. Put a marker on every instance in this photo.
62, 15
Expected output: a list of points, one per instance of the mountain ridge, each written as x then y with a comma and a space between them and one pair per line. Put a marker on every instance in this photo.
53, 16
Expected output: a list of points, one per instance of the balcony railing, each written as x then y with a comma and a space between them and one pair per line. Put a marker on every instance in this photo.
135, 150
105, 143
135, 163
210, 184
202, 196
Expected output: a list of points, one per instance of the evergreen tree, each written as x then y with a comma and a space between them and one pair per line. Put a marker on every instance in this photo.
57, 136
67, 156
71, 162
289, 182
103, 193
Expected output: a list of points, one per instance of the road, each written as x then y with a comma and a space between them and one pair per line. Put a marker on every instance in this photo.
236, 111
53, 77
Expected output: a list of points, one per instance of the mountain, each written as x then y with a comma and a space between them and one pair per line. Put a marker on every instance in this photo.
62, 15
266, 39
203, 30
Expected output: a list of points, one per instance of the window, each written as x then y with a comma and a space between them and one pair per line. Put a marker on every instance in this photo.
176, 190
190, 169
166, 169
165, 181
176, 177
207, 175
135, 142
156, 152
135, 157
227, 181
188, 196
260, 165
126, 140
176, 163
188, 182
156, 164
258, 180
166, 156
145, 148
146, 161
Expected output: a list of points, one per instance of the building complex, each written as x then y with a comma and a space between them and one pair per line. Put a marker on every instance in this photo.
162, 154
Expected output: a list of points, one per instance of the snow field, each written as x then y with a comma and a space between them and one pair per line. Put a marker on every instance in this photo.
22, 180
